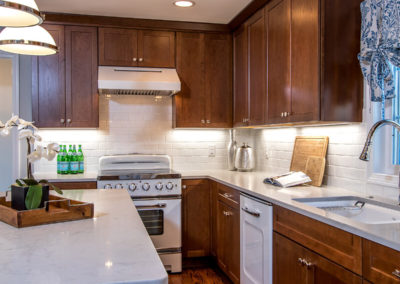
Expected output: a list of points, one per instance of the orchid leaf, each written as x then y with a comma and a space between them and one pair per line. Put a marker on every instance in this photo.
30, 181
33, 197
17, 181
56, 189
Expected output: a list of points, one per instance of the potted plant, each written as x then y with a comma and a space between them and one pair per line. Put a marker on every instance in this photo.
28, 193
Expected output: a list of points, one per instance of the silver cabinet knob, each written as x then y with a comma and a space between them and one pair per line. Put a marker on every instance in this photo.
119, 186
140, 59
134, 59
285, 114
62, 120
132, 187
146, 186
170, 186
184, 186
159, 186
208, 121
203, 121
281, 114
69, 120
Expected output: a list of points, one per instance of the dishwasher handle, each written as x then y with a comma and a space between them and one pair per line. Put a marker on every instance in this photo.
253, 213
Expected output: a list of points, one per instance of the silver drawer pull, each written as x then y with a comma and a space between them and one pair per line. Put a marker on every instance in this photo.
396, 273
227, 195
159, 205
253, 213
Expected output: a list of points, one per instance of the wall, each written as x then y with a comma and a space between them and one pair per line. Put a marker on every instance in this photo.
140, 124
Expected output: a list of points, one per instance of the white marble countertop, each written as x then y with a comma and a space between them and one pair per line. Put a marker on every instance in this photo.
252, 184
114, 247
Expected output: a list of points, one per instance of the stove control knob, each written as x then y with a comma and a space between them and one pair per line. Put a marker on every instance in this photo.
119, 186
159, 186
170, 185
132, 187
146, 186
108, 186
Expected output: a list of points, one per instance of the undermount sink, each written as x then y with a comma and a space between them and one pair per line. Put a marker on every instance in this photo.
356, 208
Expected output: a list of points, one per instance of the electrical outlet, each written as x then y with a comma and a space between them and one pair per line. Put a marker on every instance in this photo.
211, 150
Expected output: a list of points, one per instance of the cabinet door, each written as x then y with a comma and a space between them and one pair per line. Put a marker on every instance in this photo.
214, 214
277, 20
82, 100
240, 93
257, 67
222, 235
286, 266
48, 84
190, 101
232, 243
156, 49
305, 60
218, 80
196, 218
117, 47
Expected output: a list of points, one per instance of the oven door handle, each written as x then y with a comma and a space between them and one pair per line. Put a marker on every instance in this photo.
158, 205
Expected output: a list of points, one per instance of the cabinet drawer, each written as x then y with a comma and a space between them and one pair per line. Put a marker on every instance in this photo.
229, 195
380, 264
339, 246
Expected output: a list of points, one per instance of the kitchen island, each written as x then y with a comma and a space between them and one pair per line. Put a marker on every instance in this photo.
113, 247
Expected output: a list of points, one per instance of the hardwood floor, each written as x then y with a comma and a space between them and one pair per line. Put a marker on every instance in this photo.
199, 275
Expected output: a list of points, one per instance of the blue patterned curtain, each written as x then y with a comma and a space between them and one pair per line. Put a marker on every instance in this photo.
380, 46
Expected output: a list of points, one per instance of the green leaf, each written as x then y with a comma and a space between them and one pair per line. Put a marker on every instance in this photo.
44, 181
33, 197
30, 181
56, 189
19, 182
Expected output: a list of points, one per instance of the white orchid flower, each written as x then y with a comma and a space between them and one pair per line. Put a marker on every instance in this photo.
25, 133
5, 132
23, 124
34, 156
37, 137
1, 124
51, 154
54, 146
12, 121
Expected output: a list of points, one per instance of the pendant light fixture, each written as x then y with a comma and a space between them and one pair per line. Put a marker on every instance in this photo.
29, 41
19, 13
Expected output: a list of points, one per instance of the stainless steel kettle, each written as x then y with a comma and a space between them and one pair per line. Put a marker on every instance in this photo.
244, 160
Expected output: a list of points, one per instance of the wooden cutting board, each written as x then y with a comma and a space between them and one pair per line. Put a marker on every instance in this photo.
309, 154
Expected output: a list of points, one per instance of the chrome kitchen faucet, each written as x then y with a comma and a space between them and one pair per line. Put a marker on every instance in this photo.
365, 152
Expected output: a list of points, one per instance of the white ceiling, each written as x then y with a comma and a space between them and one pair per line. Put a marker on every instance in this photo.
207, 11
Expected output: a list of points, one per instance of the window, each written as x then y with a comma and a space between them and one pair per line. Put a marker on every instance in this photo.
386, 144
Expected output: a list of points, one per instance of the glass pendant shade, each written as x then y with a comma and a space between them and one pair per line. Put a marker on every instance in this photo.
19, 13
29, 41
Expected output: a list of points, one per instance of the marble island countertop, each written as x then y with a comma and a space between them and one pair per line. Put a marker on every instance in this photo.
113, 247
252, 183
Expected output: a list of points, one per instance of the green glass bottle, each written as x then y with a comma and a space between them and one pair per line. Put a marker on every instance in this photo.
74, 164
69, 158
59, 154
64, 161
81, 160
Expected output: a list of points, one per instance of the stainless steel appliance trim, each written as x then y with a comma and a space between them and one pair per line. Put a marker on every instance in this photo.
256, 199
158, 197
169, 250
152, 206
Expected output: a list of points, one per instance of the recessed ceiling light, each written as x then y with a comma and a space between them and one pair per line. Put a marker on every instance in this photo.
184, 3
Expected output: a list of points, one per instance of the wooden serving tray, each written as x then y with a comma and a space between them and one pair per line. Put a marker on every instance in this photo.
57, 209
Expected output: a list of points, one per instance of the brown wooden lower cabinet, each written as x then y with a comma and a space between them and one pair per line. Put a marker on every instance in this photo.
380, 263
196, 207
296, 264
76, 185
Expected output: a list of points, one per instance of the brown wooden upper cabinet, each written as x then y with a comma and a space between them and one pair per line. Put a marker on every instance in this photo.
311, 72
64, 85
250, 70
204, 66
136, 48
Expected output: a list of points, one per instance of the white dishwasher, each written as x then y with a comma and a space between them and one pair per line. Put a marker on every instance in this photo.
255, 240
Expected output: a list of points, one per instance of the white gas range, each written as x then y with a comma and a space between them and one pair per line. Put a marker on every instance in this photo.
156, 191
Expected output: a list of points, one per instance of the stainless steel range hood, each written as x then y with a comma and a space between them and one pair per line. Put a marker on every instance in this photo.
138, 81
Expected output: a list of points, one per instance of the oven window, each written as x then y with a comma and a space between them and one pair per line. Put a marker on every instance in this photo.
153, 220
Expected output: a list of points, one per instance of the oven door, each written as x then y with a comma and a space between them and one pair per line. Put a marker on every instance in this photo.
162, 219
